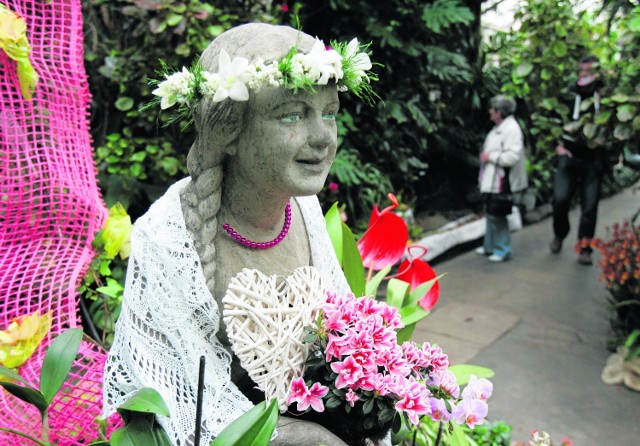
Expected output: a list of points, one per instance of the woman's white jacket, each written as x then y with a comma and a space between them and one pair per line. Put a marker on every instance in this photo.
505, 146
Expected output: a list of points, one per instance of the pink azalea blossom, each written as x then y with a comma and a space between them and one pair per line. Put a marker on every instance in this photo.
351, 397
349, 372
415, 401
316, 393
470, 412
305, 397
436, 358
298, 390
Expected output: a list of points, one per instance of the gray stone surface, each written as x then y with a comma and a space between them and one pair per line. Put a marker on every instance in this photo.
540, 321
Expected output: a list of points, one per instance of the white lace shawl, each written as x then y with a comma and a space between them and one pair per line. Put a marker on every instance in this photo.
169, 319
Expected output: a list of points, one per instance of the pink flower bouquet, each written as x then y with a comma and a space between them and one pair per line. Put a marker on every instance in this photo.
367, 383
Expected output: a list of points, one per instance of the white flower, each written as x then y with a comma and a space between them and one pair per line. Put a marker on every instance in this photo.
321, 64
209, 85
175, 88
360, 63
232, 77
265, 75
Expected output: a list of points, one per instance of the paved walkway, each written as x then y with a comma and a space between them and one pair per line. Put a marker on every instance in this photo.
540, 321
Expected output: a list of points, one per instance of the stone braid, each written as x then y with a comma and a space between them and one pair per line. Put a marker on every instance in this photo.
201, 198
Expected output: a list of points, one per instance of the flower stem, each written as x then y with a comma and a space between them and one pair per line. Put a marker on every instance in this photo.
45, 427
22, 434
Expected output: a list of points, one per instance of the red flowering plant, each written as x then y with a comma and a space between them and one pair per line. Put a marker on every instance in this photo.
363, 373
620, 264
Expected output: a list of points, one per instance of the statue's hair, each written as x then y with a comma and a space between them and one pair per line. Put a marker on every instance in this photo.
218, 125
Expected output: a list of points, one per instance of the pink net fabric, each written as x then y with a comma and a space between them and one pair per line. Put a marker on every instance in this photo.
50, 207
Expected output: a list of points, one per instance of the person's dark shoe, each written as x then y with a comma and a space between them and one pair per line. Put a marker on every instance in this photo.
556, 245
584, 258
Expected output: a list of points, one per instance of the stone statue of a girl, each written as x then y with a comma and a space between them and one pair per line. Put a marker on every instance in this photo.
266, 139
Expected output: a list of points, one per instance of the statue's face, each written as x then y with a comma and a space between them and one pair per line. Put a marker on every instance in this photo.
289, 141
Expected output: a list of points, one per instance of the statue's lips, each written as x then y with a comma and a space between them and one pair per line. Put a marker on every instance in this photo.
316, 165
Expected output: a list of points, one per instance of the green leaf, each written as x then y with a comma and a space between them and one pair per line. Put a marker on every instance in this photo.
27, 394
622, 132
559, 48
367, 407
411, 314
457, 437
146, 400
625, 112
352, 262
58, 361
524, 69
173, 19
371, 288
387, 415
441, 14
396, 292
8, 373
124, 103
589, 130
404, 334
602, 117
138, 157
333, 223
463, 372
141, 430
545, 74
113, 288
251, 427
421, 290
261, 434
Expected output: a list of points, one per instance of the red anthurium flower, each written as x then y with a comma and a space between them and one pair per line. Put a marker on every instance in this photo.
415, 272
386, 238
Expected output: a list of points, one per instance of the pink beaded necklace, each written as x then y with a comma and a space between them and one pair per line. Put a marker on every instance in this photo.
262, 245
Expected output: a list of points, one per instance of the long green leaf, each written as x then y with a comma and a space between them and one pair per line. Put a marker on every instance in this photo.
243, 429
371, 288
28, 395
334, 228
8, 373
146, 400
396, 292
421, 290
58, 361
457, 437
142, 430
352, 262
463, 372
262, 433
404, 334
412, 314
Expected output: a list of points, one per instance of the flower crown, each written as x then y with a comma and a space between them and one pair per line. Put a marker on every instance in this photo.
347, 64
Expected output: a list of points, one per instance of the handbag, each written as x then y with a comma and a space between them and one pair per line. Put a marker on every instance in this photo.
500, 204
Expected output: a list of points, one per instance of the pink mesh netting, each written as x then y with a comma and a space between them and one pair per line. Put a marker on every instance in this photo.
50, 207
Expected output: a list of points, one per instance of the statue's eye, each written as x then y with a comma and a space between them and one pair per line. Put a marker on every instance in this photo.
331, 116
291, 117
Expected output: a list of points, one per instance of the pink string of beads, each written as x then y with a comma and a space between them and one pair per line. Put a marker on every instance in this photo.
261, 245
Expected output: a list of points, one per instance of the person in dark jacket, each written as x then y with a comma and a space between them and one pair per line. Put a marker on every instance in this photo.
579, 166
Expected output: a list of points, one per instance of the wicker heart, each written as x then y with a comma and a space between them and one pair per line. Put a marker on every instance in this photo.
265, 318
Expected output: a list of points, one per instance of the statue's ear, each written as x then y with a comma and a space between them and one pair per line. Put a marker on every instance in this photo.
216, 137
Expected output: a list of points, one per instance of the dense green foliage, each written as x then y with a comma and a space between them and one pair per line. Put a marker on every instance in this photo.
436, 75
540, 61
